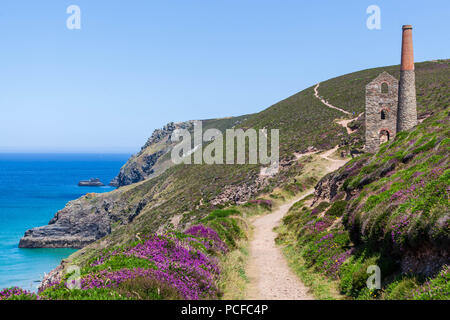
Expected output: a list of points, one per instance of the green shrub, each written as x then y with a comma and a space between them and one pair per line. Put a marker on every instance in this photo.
120, 261
220, 213
142, 288
353, 275
337, 208
63, 293
321, 207
401, 289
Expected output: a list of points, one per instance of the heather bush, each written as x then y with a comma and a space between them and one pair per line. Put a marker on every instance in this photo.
210, 238
266, 204
326, 252
16, 293
437, 288
156, 267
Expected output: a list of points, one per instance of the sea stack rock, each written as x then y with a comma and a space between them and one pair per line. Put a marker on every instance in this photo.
407, 106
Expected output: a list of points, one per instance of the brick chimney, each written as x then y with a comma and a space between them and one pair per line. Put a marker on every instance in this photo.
407, 106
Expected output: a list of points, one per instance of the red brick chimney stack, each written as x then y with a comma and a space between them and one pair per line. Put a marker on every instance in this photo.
407, 49
407, 106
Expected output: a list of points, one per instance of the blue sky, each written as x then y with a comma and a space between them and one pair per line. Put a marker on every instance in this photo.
136, 65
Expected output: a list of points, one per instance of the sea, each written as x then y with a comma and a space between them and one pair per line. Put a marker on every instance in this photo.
33, 187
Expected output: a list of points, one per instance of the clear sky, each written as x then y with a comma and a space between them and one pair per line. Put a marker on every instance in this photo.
136, 65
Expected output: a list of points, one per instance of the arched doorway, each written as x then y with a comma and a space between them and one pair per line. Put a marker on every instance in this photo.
384, 136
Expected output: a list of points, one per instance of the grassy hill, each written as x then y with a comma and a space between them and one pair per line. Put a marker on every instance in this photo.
183, 196
389, 209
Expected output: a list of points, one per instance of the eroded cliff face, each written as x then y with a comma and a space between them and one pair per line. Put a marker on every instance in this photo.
153, 159
81, 222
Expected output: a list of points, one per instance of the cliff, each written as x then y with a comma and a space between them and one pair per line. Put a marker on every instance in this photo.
81, 222
150, 160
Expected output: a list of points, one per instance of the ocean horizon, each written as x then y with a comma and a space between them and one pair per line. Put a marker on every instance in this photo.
33, 187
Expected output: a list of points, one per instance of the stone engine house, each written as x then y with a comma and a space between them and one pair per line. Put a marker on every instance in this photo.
381, 110
391, 105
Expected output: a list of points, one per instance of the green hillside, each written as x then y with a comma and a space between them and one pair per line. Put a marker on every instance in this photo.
373, 198
390, 209
304, 122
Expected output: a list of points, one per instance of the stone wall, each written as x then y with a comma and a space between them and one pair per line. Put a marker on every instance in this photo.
407, 106
376, 103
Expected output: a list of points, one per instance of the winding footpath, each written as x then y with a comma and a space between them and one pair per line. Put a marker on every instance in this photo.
268, 271
329, 105
269, 274
343, 122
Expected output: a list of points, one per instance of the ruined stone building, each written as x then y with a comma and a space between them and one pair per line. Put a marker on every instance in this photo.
381, 110
390, 104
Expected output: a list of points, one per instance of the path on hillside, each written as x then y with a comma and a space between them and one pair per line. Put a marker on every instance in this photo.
343, 122
268, 271
269, 274
335, 164
329, 105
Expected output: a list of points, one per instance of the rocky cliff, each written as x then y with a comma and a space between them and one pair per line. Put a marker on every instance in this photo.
81, 222
150, 160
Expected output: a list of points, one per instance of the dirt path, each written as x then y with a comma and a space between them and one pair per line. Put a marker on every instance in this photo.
268, 271
269, 274
343, 122
335, 164
329, 105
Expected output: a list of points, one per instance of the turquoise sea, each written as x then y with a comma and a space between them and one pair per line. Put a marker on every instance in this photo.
33, 187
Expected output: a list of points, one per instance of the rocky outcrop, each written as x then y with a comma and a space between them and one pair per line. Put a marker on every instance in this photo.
333, 185
160, 134
81, 222
149, 162
135, 171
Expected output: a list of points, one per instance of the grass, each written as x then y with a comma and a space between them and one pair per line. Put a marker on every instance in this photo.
234, 280
321, 287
